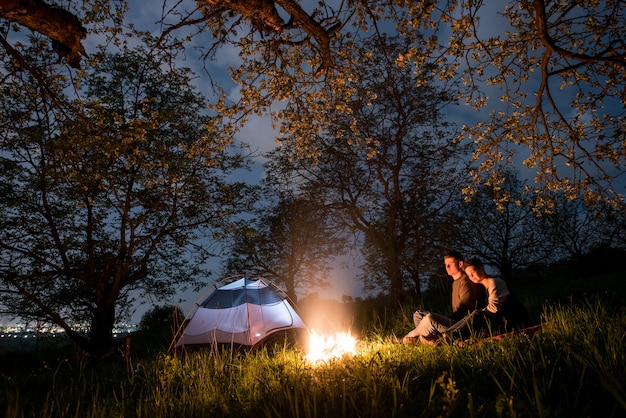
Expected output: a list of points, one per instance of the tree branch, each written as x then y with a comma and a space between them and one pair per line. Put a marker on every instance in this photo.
542, 30
265, 17
62, 27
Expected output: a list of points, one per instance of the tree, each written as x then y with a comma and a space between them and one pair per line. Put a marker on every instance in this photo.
118, 194
289, 241
561, 73
387, 165
576, 229
573, 140
502, 228
62, 27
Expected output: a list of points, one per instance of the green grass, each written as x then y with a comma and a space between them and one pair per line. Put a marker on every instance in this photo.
575, 367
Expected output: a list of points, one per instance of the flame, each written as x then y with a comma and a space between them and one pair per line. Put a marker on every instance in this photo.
326, 347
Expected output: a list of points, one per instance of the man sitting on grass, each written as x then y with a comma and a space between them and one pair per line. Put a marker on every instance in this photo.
466, 297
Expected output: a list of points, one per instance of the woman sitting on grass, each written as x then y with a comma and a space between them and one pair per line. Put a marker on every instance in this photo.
504, 311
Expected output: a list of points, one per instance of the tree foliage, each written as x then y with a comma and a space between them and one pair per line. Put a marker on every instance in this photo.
546, 77
576, 230
503, 228
543, 80
289, 241
503, 231
111, 196
560, 72
64, 25
387, 165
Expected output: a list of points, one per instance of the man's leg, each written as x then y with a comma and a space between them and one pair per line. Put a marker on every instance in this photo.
430, 327
413, 334
435, 323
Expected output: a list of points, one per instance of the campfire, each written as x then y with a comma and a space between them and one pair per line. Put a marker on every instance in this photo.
327, 347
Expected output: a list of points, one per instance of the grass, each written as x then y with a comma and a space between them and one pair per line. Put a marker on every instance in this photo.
575, 367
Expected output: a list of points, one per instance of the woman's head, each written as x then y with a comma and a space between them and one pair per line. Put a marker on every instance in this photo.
474, 269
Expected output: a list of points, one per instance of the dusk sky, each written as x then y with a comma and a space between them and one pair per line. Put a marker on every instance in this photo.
259, 133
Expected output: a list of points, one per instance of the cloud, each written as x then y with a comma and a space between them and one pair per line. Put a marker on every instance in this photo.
259, 134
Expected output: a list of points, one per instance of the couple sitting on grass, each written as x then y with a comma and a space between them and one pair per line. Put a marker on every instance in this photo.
479, 302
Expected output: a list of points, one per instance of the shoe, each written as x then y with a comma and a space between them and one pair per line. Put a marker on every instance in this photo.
430, 340
410, 340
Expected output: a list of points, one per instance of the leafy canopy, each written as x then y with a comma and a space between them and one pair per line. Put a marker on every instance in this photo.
118, 191
546, 78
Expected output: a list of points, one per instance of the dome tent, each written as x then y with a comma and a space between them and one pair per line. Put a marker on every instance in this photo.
245, 311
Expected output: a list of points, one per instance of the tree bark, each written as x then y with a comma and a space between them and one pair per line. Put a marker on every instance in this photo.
62, 27
102, 323
265, 17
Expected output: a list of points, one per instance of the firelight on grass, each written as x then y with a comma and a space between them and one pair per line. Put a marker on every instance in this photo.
327, 347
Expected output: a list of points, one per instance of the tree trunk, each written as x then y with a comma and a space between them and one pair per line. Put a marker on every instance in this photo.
506, 270
417, 285
291, 288
101, 337
396, 291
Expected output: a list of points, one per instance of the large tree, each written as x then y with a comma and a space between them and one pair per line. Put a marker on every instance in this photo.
502, 228
288, 240
387, 165
551, 74
117, 194
546, 78
577, 229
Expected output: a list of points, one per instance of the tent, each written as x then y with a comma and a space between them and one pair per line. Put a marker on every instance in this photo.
244, 312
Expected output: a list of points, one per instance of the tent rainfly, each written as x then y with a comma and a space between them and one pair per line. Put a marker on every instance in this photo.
243, 312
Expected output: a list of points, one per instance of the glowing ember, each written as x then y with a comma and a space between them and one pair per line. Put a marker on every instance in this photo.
326, 347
